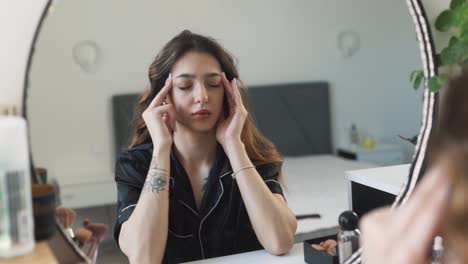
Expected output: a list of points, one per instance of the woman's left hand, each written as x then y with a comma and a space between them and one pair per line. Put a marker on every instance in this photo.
230, 128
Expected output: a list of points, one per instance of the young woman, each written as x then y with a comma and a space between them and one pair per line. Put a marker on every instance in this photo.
199, 180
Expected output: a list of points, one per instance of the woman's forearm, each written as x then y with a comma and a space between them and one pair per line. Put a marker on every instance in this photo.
143, 236
272, 220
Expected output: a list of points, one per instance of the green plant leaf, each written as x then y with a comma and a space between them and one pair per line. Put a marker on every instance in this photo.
445, 21
413, 74
436, 82
455, 3
460, 15
453, 40
456, 52
437, 60
463, 33
417, 79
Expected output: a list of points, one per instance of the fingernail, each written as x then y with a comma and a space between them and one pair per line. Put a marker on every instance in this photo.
224, 74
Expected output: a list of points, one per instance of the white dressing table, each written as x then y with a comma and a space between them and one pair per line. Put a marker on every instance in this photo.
296, 255
382, 183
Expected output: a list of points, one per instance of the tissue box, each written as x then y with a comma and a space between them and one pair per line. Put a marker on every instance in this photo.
313, 256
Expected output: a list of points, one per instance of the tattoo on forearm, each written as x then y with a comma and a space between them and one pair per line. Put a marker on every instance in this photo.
157, 179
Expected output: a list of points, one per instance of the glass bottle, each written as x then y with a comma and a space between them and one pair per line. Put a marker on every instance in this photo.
353, 135
348, 235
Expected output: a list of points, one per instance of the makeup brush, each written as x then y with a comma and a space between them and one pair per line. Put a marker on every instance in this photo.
83, 235
66, 217
308, 216
99, 230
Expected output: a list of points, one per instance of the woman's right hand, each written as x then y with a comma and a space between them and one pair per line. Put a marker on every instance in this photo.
406, 235
160, 119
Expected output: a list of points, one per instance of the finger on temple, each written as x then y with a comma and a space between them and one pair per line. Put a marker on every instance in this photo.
230, 93
161, 96
236, 92
228, 86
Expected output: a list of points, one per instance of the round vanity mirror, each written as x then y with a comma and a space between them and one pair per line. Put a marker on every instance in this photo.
327, 81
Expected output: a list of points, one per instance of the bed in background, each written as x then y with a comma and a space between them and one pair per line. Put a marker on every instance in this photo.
296, 117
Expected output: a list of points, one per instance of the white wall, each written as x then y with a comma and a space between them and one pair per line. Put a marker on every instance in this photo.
18, 20
275, 41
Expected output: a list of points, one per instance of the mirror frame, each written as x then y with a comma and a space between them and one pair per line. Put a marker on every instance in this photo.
429, 111
431, 99
47, 9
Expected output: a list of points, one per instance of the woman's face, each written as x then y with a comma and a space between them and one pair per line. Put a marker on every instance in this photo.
198, 91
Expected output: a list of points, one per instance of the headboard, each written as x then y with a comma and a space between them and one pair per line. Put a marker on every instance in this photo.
295, 116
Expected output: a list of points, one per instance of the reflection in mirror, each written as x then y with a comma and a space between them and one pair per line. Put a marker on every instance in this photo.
328, 85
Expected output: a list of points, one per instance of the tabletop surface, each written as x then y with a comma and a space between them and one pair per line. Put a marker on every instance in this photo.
40, 255
389, 179
295, 255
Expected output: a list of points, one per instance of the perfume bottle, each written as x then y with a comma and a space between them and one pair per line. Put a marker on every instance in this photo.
437, 251
353, 135
16, 217
348, 235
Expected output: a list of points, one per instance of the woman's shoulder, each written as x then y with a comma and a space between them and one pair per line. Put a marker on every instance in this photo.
132, 164
269, 170
140, 151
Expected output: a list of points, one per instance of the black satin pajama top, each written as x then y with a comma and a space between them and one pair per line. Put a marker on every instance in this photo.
221, 226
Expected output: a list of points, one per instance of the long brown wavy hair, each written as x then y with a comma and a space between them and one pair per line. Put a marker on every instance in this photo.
259, 149
450, 141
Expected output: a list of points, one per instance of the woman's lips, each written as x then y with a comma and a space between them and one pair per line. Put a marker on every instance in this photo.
201, 114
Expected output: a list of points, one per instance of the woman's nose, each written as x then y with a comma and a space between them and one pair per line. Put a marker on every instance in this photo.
201, 94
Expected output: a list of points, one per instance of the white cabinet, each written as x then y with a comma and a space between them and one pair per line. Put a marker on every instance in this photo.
372, 188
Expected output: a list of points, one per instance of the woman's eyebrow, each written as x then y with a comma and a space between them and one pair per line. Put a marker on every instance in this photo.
208, 75
186, 75
212, 74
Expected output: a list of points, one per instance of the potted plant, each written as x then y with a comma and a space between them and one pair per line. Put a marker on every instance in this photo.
454, 21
